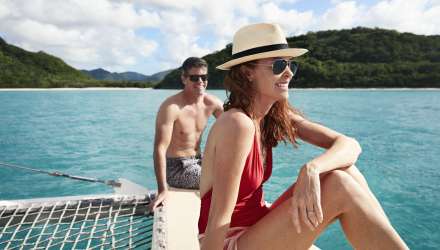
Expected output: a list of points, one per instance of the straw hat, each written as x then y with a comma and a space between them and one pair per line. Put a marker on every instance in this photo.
257, 41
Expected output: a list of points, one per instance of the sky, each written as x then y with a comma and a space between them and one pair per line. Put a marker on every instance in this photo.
148, 36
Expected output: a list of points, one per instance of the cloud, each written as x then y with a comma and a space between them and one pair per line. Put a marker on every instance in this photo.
83, 13
223, 18
279, 2
198, 28
169, 4
416, 16
292, 21
45, 34
86, 34
155, 35
343, 15
180, 36
4, 9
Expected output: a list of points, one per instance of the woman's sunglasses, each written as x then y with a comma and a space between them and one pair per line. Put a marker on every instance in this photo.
280, 65
195, 78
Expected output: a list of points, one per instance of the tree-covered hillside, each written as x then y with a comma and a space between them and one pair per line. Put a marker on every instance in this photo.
23, 69
354, 58
102, 74
20, 68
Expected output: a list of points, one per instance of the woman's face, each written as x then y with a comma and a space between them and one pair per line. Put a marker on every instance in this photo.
271, 85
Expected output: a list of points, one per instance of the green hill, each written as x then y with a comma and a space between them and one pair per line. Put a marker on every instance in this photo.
354, 58
20, 68
23, 69
102, 74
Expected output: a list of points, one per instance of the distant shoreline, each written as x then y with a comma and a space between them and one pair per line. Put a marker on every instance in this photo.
366, 89
116, 89
71, 89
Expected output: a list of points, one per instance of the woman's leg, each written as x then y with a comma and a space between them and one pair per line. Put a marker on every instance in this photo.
342, 198
354, 172
357, 176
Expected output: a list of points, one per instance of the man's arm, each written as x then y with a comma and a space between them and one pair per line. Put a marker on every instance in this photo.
164, 130
218, 106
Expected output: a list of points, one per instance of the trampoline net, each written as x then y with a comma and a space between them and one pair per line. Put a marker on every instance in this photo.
118, 222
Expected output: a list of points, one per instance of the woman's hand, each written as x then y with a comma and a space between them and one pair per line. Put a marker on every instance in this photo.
306, 199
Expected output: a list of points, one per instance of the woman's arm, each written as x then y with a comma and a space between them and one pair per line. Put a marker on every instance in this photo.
233, 140
342, 151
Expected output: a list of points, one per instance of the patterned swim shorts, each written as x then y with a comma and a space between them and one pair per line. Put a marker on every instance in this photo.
184, 172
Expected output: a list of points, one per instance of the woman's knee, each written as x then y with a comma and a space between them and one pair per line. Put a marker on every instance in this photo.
357, 175
342, 188
338, 180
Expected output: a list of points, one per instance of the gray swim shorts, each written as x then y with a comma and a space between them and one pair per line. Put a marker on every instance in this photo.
184, 172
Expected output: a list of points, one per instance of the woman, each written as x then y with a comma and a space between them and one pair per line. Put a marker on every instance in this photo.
238, 160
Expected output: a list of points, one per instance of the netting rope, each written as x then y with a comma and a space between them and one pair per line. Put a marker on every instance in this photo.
112, 183
109, 222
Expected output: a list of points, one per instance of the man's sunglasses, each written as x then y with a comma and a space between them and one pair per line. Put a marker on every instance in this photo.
195, 78
280, 65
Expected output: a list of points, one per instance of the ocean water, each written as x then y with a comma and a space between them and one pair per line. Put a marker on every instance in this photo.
108, 134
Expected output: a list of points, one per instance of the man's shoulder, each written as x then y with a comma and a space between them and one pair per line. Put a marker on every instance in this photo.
175, 99
171, 104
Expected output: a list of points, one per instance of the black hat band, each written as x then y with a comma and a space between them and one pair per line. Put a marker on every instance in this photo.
260, 49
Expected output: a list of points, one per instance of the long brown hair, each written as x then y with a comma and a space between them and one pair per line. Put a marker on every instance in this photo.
276, 125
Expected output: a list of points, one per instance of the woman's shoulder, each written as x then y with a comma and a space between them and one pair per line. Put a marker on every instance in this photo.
236, 117
235, 120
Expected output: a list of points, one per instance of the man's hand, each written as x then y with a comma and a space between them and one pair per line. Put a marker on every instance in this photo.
160, 198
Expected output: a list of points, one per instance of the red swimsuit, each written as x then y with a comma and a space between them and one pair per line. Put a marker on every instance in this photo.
250, 206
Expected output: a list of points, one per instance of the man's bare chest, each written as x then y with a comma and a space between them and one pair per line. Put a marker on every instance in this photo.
192, 120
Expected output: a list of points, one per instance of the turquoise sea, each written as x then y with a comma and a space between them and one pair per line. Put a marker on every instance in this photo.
109, 133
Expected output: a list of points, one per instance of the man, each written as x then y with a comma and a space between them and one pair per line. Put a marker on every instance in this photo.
180, 123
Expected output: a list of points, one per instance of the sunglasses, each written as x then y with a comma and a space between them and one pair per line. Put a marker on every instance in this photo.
280, 65
195, 78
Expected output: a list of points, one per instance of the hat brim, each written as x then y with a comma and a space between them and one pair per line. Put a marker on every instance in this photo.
292, 52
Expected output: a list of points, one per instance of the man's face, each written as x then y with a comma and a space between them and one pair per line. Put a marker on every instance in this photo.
196, 79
